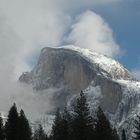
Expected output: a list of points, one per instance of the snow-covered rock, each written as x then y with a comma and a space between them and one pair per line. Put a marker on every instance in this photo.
106, 82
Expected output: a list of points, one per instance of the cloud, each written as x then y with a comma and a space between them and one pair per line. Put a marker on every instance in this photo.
35, 24
10, 90
91, 31
39, 23
26, 26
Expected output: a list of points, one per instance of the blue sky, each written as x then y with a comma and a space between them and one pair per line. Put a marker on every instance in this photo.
124, 19
30, 25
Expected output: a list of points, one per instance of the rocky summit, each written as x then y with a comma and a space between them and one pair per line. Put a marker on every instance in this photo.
106, 82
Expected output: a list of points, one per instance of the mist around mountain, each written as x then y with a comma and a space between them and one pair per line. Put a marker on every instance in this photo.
69, 69
77, 124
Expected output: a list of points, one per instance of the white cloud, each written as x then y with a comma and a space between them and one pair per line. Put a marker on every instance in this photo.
91, 31
28, 25
39, 23
36, 23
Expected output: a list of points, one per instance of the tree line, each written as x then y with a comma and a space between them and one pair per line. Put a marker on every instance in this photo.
77, 124
80, 125
17, 127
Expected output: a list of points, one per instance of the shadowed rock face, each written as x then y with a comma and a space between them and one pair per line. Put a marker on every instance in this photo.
66, 68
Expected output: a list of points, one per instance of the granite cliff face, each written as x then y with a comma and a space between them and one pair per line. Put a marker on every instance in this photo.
73, 69
69, 68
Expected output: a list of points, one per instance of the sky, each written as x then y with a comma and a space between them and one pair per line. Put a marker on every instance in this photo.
107, 26
111, 27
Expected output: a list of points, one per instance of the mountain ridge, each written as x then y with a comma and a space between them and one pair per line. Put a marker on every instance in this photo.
106, 82
97, 58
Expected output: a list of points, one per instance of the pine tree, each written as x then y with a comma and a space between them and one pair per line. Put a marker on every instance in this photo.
11, 126
24, 130
40, 134
137, 128
103, 128
123, 135
2, 136
57, 133
82, 124
60, 129
66, 119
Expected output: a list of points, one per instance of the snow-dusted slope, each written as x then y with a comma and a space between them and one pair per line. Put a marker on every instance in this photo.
109, 66
106, 82
73, 69
129, 106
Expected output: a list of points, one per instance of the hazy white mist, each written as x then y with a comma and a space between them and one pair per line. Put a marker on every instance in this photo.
26, 26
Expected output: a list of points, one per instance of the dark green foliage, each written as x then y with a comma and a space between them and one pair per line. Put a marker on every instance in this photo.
137, 128
123, 135
82, 124
39, 134
24, 130
58, 128
66, 119
11, 127
103, 128
17, 126
77, 125
2, 136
